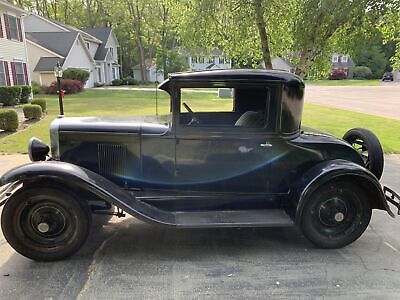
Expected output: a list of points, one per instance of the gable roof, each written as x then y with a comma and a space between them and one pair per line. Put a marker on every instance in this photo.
65, 27
102, 34
58, 42
47, 64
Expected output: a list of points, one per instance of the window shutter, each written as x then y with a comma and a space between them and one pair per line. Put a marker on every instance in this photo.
14, 76
25, 74
7, 73
1, 28
19, 29
7, 24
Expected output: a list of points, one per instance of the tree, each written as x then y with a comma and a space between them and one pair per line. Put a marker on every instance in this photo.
371, 56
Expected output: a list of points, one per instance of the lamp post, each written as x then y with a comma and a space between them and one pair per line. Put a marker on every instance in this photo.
58, 72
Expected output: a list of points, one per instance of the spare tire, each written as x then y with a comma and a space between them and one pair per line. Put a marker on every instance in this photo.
369, 147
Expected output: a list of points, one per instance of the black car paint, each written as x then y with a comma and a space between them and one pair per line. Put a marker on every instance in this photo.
153, 169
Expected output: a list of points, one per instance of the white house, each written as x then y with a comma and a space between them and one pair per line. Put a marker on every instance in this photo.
49, 42
279, 63
210, 61
152, 74
13, 51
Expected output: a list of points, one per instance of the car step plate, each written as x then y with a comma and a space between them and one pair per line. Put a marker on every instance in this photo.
240, 218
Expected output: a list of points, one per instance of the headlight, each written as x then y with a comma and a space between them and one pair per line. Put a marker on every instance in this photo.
37, 150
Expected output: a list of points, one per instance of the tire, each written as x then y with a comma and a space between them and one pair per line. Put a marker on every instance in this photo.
336, 215
369, 147
45, 224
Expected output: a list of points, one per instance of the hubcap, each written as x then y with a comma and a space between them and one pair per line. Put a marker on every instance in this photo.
339, 217
43, 227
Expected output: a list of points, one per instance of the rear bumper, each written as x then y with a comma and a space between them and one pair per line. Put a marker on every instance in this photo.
393, 198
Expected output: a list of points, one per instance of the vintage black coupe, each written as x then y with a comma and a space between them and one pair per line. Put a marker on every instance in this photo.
251, 164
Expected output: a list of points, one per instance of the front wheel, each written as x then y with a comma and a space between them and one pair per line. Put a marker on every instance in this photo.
45, 224
336, 215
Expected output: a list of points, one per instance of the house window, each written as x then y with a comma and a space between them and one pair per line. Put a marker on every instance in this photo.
99, 75
3, 80
201, 59
194, 60
19, 74
335, 58
88, 45
112, 52
345, 58
221, 60
13, 25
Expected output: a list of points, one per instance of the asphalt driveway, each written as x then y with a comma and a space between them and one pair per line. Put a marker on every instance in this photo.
128, 259
375, 100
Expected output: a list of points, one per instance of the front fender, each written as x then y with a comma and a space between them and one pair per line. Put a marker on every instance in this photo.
73, 176
334, 169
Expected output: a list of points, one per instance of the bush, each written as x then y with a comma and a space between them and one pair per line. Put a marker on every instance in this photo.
24, 94
76, 74
337, 75
129, 81
68, 85
362, 72
9, 95
32, 111
116, 82
98, 84
37, 88
8, 120
41, 103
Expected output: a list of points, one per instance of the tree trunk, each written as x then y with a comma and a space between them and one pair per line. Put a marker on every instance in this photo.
260, 22
138, 36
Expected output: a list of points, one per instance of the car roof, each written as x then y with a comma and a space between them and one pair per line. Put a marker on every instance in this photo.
233, 75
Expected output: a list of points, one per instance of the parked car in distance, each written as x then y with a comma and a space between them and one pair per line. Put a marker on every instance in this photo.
387, 76
242, 161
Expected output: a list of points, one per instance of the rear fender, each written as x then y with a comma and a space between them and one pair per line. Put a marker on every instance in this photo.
338, 169
75, 177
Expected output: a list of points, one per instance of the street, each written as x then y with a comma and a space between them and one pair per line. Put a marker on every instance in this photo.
127, 258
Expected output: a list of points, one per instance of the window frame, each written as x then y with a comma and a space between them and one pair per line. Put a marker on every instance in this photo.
10, 21
272, 123
19, 74
335, 58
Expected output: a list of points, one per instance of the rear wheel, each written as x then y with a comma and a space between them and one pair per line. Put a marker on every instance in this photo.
335, 215
45, 224
369, 147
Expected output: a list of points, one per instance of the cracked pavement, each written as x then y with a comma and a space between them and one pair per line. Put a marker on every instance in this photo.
127, 258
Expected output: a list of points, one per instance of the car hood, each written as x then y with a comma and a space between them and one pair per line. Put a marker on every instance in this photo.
142, 125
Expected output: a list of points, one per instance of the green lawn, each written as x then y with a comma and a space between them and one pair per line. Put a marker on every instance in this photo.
123, 103
347, 82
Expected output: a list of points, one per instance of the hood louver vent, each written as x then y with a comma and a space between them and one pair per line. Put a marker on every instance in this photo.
112, 159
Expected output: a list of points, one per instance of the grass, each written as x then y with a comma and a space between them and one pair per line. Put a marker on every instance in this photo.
347, 82
130, 103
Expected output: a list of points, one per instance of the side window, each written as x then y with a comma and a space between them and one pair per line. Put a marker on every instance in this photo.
3, 80
237, 107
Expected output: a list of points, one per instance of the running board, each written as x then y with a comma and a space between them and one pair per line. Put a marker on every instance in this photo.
232, 218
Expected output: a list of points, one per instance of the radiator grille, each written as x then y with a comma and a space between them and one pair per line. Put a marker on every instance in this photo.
112, 159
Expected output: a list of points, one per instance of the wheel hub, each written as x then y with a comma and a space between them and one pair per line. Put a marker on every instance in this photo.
43, 227
332, 211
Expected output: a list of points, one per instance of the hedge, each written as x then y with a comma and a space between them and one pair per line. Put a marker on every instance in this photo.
76, 74
32, 111
9, 95
68, 85
25, 93
8, 120
41, 103
362, 72
337, 75
116, 82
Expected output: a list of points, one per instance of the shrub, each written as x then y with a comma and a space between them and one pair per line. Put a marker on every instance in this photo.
24, 94
362, 72
68, 85
116, 82
9, 95
337, 75
98, 84
129, 81
76, 74
41, 103
32, 111
37, 88
8, 120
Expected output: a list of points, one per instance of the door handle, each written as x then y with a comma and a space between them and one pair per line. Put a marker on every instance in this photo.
266, 144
